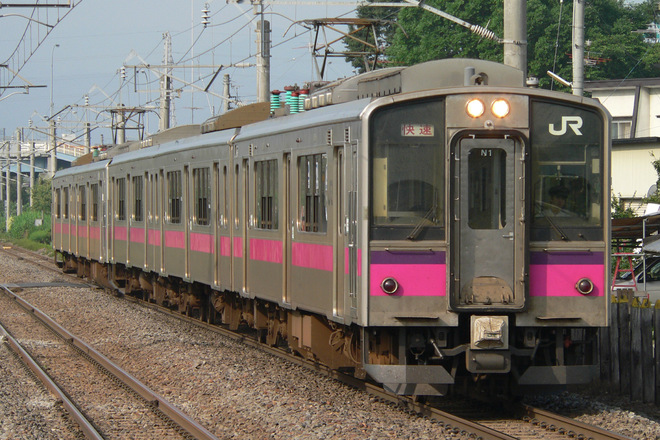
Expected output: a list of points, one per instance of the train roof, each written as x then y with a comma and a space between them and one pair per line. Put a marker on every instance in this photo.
90, 167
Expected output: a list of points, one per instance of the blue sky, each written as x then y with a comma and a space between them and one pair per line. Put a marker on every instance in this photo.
97, 37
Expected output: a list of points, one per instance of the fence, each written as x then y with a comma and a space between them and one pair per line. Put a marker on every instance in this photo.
629, 362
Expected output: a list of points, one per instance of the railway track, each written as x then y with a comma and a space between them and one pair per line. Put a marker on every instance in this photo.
105, 401
533, 423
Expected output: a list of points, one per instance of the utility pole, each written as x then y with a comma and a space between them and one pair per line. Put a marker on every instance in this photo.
19, 181
515, 34
8, 187
578, 47
263, 54
225, 93
53, 149
166, 84
31, 173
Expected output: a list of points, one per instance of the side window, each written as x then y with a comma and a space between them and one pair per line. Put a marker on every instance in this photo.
66, 203
174, 196
121, 198
138, 190
94, 215
82, 193
202, 188
266, 194
312, 187
58, 203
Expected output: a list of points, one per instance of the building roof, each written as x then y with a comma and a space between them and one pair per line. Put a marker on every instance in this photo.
606, 84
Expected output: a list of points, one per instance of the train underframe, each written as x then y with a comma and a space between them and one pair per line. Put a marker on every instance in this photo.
406, 360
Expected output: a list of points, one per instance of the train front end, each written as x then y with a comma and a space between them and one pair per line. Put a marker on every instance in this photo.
488, 236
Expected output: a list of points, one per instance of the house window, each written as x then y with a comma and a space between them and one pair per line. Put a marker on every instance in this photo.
266, 193
174, 196
137, 198
202, 188
312, 172
121, 199
621, 128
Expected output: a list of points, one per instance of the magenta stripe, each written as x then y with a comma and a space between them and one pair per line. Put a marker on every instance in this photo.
238, 247
137, 235
201, 242
225, 246
57, 228
154, 237
121, 233
82, 231
413, 279
312, 256
95, 232
175, 239
359, 261
266, 250
560, 279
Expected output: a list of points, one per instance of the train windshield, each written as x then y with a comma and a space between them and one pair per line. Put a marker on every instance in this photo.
407, 171
567, 168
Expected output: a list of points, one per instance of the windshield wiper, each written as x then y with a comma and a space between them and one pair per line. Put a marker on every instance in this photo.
556, 228
420, 224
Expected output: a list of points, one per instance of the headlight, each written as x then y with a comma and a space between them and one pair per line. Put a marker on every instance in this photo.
500, 108
475, 108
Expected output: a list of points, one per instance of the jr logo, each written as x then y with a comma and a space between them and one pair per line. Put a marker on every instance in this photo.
575, 122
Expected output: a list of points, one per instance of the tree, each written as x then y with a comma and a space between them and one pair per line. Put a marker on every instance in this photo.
384, 34
615, 49
41, 195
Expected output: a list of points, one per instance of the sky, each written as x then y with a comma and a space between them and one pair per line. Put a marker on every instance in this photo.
97, 37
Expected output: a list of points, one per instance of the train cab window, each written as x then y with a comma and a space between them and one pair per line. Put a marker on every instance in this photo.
58, 203
94, 214
312, 172
202, 188
174, 193
566, 170
82, 193
65, 196
408, 171
266, 193
487, 188
120, 188
138, 190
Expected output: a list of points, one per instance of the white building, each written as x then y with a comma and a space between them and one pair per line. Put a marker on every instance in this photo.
635, 108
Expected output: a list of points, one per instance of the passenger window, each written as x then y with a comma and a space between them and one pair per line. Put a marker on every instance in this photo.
266, 188
312, 189
138, 188
82, 193
174, 196
121, 199
202, 188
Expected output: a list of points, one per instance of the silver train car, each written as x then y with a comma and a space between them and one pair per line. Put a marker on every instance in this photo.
430, 227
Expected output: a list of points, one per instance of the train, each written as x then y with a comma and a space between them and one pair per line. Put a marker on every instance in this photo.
430, 228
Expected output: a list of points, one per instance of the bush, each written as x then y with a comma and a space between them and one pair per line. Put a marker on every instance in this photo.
40, 236
23, 225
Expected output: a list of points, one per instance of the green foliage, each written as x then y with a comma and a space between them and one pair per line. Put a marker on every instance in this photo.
364, 38
40, 236
23, 225
41, 195
610, 25
619, 210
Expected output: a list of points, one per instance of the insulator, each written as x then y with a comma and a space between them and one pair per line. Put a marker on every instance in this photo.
205, 15
123, 72
483, 32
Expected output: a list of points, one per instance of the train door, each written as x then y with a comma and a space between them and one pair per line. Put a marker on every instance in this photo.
223, 218
351, 165
187, 219
488, 241
287, 226
236, 244
246, 219
160, 250
340, 233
